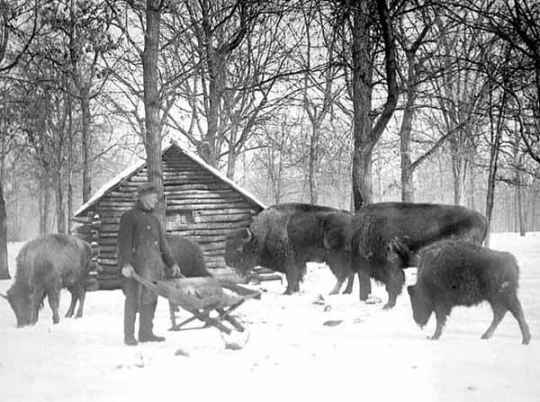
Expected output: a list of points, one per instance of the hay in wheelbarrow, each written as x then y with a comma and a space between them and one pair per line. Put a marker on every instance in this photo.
202, 296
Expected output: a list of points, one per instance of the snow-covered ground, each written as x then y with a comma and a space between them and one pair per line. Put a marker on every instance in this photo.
370, 354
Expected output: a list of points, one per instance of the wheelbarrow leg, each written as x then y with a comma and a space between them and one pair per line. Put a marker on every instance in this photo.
211, 321
225, 315
177, 327
172, 312
235, 323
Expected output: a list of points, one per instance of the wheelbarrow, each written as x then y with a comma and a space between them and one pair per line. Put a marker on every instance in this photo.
201, 297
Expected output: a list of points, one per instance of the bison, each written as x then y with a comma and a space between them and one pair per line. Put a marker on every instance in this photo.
284, 238
188, 256
383, 238
45, 265
458, 273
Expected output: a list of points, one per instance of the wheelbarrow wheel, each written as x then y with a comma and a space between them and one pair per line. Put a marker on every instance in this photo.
236, 340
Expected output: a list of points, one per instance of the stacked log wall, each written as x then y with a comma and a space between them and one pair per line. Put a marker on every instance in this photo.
200, 206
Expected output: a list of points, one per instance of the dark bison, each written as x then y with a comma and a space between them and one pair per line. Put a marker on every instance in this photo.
188, 256
458, 273
384, 238
45, 265
284, 238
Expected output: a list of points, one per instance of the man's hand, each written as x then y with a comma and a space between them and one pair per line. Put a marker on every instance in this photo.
128, 271
175, 271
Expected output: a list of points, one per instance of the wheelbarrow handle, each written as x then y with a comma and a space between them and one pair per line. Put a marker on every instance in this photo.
148, 284
145, 282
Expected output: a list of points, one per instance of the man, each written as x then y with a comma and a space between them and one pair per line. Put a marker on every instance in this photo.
142, 248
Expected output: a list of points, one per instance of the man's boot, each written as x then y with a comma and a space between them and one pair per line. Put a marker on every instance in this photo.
130, 315
146, 325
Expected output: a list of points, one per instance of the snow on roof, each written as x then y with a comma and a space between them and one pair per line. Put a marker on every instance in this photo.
218, 174
132, 170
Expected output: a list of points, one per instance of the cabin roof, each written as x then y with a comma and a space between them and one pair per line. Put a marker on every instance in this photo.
130, 171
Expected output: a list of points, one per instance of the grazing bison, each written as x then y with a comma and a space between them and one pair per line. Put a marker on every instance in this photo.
45, 265
284, 238
384, 238
188, 256
457, 273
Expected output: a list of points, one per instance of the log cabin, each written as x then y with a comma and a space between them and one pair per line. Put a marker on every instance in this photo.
201, 204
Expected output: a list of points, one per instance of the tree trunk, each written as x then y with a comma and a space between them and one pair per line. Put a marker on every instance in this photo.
45, 203
86, 146
362, 101
152, 102
407, 186
4, 269
496, 135
458, 174
518, 188
365, 135
407, 189
231, 159
60, 212
491, 188
472, 187
519, 208
362, 179
70, 165
313, 161
411, 85
208, 149
458, 146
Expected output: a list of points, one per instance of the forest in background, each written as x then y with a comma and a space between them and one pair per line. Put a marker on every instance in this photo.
335, 102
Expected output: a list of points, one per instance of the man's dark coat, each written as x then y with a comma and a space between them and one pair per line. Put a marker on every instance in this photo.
142, 243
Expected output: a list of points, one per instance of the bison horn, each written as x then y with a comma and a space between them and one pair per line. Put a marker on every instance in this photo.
247, 235
4, 296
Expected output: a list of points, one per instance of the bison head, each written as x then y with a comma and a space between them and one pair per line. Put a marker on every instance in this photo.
20, 301
421, 305
242, 251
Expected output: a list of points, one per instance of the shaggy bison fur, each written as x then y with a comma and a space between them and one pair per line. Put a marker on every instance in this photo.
188, 256
384, 238
284, 238
458, 273
45, 265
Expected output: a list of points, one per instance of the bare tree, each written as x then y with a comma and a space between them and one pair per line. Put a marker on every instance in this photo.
87, 39
516, 24
518, 157
280, 157
459, 91
355, 24
320, 85
129, 64
234, 55
413, 31
356, 21
44, 128
15, 16
153, 134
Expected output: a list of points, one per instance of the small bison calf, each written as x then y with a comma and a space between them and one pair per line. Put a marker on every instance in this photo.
458, 273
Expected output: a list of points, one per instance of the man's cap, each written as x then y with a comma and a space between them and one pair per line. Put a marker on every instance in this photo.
147, 188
